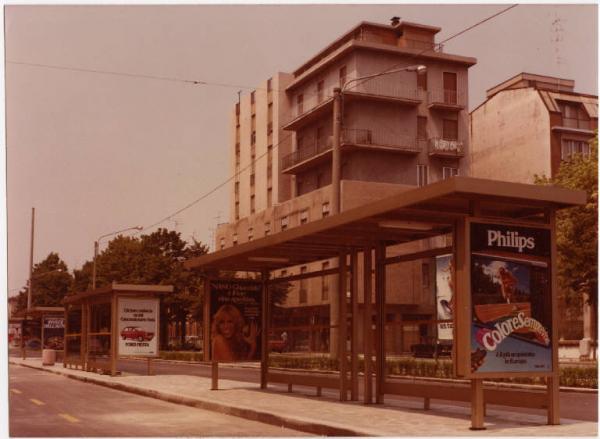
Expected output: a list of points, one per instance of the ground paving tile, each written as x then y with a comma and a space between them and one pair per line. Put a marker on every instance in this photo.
326, 415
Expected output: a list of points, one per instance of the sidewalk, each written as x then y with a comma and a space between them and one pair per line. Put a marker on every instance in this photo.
323, 415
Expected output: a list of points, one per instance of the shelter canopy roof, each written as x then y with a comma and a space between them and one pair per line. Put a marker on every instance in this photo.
408, 216
107, 291
38, 311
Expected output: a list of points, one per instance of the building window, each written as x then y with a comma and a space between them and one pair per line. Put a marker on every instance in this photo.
284, 223
252, 204
320, 138
425, 274
450, 88
320, 91
299, 143
250, 233
237, 210
325, 283
269, 85
325, 210
422, 81
270, 155
300, 104
267, 229
342, 76
222, 243
450, 129
304, 216
421, 128
253, 122
252, 97
422, 175
299, 186
253, 138
320, 181
449, 171
269, 197
252, 179
303, 297
572, 147
574, 115
235, 239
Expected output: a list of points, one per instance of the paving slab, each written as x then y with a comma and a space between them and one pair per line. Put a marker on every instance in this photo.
324, 415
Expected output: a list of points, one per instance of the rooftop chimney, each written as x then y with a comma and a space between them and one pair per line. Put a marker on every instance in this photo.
395, 21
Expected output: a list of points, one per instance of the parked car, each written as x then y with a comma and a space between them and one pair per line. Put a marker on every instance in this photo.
276, 344
135, 333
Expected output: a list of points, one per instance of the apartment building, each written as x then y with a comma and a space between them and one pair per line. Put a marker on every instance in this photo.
527, 125
401, 127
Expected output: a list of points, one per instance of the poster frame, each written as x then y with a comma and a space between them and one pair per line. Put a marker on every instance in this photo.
463, 316
208, 302
116, 336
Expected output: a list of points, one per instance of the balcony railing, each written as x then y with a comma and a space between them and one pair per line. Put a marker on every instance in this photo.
581, 124
446, 98
390, 86
380, 138
421, 45
447, 148
308, 150
353, 136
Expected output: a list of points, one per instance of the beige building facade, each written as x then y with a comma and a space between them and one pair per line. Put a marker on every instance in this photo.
528, 125
400, 129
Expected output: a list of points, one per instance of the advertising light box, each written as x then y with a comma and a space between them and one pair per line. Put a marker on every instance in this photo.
138, 330
235, 320
511, 303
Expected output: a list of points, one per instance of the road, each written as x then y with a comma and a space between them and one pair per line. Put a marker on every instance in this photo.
43, 404
581, 406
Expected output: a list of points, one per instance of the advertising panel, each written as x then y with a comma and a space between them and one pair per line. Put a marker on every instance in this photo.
235, 320
444, 290
138, 326
54, 332
511, 299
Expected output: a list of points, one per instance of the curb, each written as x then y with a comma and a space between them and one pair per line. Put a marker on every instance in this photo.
411, 378
299, 424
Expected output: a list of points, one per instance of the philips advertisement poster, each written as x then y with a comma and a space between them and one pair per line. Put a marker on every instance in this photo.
235, 312
138, 327
54, 333
511, 303
444, 296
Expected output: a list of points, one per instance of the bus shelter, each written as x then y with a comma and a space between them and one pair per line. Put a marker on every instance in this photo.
41, 325
115, 321
503, 274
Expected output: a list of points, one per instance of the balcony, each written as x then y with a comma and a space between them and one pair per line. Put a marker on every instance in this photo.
446, 148
575, 126
446, 100
319, 151
387, 88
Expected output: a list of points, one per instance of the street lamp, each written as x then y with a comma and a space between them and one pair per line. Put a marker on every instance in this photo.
336, 157
96, 245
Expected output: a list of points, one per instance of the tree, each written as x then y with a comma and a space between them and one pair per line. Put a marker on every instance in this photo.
577, 231
50, 280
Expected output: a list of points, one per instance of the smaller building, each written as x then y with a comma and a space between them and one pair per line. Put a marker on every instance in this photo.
529, 124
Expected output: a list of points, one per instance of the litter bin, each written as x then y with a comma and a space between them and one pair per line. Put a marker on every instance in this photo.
48, 357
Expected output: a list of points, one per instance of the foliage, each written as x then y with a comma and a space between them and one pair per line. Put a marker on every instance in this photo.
51, 281
577, 229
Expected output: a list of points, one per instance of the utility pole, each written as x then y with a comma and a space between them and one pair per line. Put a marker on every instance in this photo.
31, 260
336, 157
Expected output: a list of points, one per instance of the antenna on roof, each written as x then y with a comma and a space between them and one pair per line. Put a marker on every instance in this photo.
395, 21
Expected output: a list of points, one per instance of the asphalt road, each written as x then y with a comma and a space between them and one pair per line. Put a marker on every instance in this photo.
581, 406
43, 404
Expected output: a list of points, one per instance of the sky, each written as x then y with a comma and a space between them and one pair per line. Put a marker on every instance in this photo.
96, 153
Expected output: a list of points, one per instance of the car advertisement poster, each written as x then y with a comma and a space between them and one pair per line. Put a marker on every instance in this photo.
444, 296
511, 302
235, 320
138, 329
54, 332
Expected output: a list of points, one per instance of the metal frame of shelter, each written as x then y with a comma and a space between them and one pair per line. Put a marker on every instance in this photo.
80, 330
438, 209
36, 312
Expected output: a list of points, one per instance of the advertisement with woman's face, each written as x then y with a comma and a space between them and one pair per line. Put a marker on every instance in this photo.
235, 320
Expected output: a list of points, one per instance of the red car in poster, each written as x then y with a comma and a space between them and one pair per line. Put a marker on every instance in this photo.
135, 333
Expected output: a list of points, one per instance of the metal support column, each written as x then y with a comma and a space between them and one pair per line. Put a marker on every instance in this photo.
368, 327
354, 327
380, 328
264, 331
342, 324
